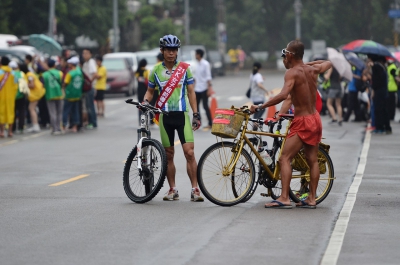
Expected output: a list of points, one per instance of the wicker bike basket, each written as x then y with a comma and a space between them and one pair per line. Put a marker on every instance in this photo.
227, 123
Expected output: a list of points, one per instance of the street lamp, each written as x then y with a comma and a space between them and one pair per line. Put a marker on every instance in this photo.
297, 10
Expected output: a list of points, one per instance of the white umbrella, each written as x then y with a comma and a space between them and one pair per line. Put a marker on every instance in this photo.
340, 63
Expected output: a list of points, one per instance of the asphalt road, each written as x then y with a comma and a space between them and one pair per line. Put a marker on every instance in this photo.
90, 220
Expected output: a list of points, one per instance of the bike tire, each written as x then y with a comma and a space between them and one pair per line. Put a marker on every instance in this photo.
209, 174
254, 188
143, 187
325, 182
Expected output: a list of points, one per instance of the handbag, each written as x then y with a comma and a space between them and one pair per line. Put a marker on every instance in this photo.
248, 93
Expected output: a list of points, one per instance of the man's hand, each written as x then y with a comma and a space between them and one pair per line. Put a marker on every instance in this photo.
254, 108
196, 123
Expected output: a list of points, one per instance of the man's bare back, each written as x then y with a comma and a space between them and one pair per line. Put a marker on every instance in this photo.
304, 90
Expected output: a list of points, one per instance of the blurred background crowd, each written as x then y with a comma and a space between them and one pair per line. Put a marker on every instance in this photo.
114, 43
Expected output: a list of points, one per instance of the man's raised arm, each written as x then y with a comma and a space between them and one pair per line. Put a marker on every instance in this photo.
320, 66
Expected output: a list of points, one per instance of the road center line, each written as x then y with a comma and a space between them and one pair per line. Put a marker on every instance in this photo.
69, 180
336, 241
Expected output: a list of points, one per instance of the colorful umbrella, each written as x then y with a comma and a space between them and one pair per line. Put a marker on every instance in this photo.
367, 47
45, 44
397, 56
354, 60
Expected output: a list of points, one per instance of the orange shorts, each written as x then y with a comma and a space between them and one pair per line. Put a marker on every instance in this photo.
308, 128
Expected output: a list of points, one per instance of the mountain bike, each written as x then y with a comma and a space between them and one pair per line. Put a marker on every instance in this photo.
146, 166
227, 172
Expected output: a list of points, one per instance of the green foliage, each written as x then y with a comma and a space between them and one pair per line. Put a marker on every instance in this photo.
5, 9
92, 18
256, 25
154, 28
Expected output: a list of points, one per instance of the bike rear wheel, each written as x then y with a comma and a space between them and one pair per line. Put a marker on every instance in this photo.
226, 190
143, 185
299, 186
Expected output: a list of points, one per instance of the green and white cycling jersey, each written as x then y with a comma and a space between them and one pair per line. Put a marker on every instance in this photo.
158, 79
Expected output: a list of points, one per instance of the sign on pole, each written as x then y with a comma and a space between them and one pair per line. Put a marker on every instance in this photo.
394, 13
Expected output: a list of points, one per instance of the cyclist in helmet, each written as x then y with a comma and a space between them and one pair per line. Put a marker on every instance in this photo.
177, 93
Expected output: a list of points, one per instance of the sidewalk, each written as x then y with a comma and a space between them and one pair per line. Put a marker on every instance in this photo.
373, 233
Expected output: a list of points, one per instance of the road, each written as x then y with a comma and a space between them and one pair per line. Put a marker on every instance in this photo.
88, 219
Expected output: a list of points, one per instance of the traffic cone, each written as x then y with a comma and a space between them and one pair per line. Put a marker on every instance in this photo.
271, 112
213, 105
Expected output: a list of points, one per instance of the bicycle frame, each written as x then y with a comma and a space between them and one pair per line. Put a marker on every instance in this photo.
243, 138
143, 133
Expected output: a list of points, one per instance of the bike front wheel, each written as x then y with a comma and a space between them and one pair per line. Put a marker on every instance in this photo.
142, 185
225, 189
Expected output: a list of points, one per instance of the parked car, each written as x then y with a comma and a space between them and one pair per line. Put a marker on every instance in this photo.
26, 49
6, 40
120, 76
217, 63
187, 54
150, 56
13, 55
130, 57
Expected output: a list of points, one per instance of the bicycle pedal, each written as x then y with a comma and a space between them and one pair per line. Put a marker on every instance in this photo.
264, 194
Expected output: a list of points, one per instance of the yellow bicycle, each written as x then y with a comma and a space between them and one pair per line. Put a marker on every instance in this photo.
227, 170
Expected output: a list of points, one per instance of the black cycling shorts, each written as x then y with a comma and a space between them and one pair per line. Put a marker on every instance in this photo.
179, 121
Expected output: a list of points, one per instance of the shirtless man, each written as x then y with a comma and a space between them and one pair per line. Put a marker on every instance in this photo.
306, 128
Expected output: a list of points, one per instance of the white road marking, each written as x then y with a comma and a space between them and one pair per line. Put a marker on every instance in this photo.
236, 98
336, 241
24, 138
113, 102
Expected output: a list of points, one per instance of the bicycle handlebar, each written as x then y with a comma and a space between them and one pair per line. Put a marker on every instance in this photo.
146, 107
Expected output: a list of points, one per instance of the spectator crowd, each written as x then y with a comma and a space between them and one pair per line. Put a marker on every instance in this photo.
47, 94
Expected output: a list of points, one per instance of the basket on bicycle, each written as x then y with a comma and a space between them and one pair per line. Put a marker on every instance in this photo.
227, 123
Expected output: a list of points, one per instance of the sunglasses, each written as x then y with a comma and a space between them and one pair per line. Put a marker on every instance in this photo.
284, 51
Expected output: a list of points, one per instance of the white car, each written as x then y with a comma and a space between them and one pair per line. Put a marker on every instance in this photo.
27, 49
129, 56
5, 40
150, 56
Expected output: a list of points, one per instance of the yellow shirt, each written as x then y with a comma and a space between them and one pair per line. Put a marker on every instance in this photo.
38, 91
233, 55
101, 83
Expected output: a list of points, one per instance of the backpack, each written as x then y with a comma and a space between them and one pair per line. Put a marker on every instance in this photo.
87, 84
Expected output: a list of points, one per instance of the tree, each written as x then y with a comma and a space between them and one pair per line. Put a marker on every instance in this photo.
92, 18
5, 9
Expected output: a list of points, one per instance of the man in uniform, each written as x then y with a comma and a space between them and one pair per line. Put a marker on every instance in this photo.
175, 99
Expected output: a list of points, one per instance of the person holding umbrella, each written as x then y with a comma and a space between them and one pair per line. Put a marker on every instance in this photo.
334, 95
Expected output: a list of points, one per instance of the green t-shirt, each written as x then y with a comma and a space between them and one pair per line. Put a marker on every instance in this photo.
74, 79
178, 101
17, 75
52, 83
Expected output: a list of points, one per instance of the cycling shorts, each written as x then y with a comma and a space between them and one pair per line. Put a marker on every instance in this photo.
179, 121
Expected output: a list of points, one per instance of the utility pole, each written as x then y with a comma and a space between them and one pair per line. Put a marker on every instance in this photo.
115, 26
221, 26
187, 23
396, 23
51, 18
297, 9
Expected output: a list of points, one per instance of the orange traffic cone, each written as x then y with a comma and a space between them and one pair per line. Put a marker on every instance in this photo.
213, 105
271, 112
